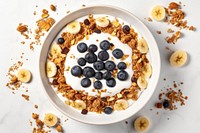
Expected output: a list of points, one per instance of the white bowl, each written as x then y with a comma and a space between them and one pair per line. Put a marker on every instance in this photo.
116, 116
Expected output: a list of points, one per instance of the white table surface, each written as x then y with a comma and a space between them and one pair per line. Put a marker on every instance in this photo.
15, 112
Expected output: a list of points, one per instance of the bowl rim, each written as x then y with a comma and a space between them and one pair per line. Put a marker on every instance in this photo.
155, 82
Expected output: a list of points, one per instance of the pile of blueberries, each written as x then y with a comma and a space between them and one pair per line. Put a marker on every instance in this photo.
100, 63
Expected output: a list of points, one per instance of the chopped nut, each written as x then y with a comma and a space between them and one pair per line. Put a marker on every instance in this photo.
22, 28
59, 128
173, 5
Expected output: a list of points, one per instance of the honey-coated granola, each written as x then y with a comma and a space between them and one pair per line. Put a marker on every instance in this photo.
98, 103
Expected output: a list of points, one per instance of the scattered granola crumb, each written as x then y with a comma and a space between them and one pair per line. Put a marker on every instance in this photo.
39, 125
36, 106
52, 7
68, 12
149, 19
174, 38
59, 128
159, 32
83, 5
26, 97
126, 122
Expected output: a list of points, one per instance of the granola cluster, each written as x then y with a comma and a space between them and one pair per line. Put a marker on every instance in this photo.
98, 103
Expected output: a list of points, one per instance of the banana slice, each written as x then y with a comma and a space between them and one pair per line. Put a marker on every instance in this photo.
55, 50
102, 21
24, 75
73, 27
121, 104
51, 69
141, 124
50, 120
158, 13
142, 46
80, 105
178, 58
147, 70
142, 83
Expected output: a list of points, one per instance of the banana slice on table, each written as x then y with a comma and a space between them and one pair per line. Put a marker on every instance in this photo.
147, 70
178, 58
80, 105
121, 104
73, 27
55, 50
51, 69
158, 13
102, 21
142, 82
24, 75
50, 120
142, 46
141, 124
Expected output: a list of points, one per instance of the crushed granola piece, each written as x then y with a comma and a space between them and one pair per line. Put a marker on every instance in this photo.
26, 97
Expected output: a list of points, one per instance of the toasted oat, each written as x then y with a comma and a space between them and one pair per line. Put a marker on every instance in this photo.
52, 7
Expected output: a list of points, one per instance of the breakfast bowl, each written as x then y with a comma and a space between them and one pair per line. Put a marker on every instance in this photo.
102, 117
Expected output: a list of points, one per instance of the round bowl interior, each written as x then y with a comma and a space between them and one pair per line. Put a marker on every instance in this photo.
93, 118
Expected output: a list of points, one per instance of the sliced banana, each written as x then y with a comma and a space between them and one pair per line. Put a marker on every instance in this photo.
158, 13
142, 82
55, 50
142, 46
50, 120
73, 27
121, 104
147, 70
141, 124
51, 69
102, 21
178, 58
80, 105
24, 75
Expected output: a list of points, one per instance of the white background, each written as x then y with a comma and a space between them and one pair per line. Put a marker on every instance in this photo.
15, 112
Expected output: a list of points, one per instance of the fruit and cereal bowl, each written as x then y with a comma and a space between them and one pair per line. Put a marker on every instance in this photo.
99, 65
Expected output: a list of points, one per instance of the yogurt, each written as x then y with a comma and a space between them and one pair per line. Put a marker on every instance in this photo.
74, 55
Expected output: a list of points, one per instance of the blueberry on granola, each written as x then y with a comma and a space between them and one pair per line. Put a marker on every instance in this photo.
82, 47
81, 61
98, 65
61, 40
86, 22
105, 45
166, 104
117, 53
110, 65
107, 75
92, 48
111, 82
108, 110
103, 55
97, 85
121, 66
99, 75
86, 82
76, 71
88, 72
90, 57
126, 29
122, 75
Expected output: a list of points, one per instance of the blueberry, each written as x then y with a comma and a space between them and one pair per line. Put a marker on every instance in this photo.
105, 45
103, 55
92, 48
82, 47
61, 40
99, 75
97, 85
166, 104
81, 61
99, 65
121, 66
118, 53
110, 65
86, 82
88, 72
107, 75
76, 71
90, 57
111, 82
108, 110
126, 29
86, 22
122, 75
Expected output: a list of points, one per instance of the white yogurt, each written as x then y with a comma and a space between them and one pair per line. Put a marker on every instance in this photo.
74, 55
